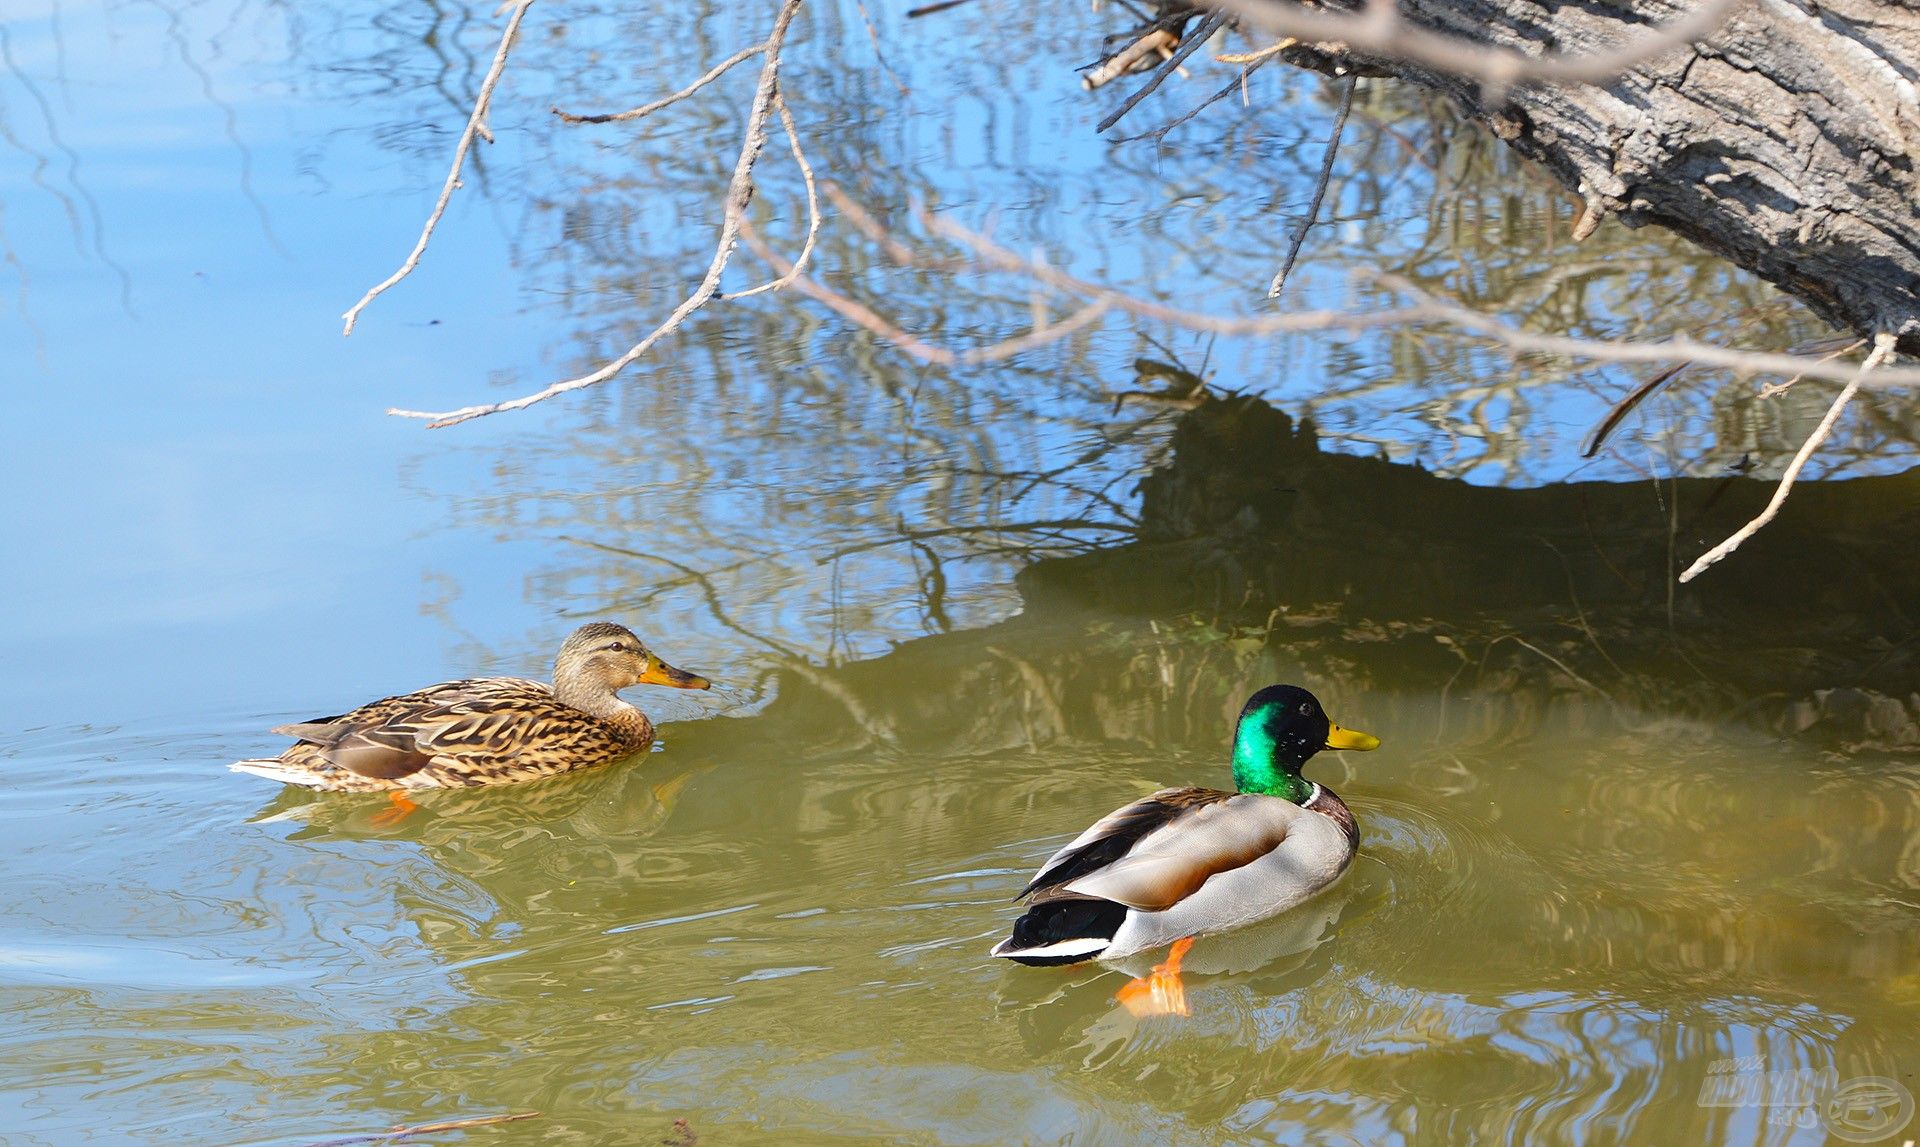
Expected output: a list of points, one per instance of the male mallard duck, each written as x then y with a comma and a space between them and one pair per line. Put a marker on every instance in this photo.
1189, 861
486, 731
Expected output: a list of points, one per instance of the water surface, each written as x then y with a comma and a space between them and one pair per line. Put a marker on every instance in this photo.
775, 927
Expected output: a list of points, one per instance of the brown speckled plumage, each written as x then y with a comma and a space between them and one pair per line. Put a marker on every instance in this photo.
485, 731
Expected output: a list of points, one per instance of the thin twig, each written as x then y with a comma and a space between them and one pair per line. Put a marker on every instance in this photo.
644, 110
813, 206
1258, 57
1200, 36
1779, 388
476, 125
1625, 407
880, 54
861, 315
1056, 527
1678, 349
1380, 30
739, 191
1129, 57
1882, 350
1319, 190
1161, 132
426, 1129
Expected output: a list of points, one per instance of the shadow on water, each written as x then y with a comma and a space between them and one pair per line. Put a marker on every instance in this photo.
1258, 554
1590, 867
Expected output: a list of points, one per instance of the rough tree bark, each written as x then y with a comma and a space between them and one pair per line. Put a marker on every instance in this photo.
1784, 143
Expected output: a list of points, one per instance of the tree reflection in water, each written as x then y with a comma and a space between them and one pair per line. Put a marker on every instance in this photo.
841, 494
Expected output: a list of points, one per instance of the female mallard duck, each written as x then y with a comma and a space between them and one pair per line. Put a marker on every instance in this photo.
486, 731
1189, 861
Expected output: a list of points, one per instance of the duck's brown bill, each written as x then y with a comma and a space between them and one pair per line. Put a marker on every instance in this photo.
659, 672
1338, 738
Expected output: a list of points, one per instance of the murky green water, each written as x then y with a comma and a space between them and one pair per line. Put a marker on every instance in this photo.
1565, 914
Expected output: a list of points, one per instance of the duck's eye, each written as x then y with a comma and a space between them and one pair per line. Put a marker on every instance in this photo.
1306, 708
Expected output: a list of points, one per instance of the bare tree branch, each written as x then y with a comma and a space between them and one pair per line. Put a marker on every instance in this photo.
1882, 351
905, 341
644, 110
1774, 390
1129, 57
813, 206
476, 126
406, 1132
1258, 56
1100, 300
1319, 190
1425, 310
1207, 28
1380, 30
739, 191
1053, 527
1626, 406
1159, 133
1676, 350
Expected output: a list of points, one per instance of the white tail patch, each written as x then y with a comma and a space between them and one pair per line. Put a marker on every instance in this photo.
276, 770
1078, 946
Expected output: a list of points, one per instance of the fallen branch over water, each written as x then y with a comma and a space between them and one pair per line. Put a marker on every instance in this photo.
407, 1132
1381, 29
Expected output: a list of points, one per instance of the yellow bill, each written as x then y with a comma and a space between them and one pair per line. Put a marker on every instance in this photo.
659, 672
1338, 738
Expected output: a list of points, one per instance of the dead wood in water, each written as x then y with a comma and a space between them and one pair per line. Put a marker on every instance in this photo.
407, 1132
1779, 136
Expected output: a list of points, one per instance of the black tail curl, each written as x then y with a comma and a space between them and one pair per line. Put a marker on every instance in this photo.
1068, 918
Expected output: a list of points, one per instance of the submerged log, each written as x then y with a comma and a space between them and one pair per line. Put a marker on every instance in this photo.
1784, 143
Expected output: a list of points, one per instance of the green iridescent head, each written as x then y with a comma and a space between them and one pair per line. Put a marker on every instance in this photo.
1280, 727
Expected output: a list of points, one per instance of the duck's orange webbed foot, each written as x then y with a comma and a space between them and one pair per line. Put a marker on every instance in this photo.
392, 816
1160, 993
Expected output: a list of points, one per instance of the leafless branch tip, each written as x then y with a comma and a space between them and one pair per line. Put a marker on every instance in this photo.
476, 126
